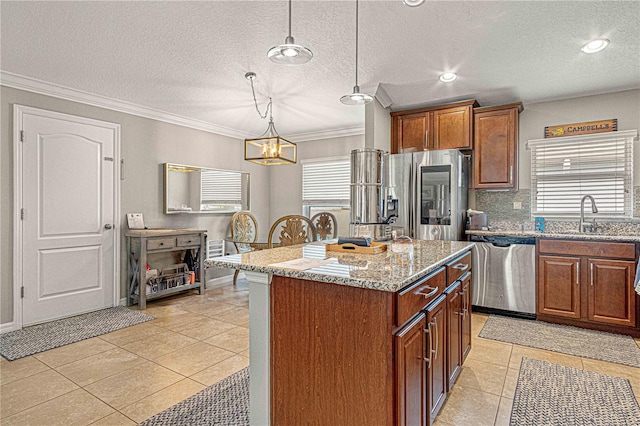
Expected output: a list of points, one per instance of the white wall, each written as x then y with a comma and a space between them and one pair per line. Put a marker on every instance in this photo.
286, 181
145, 145
625, 106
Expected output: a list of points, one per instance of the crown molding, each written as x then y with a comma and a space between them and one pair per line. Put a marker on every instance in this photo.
57, 91
29, 84
326, 134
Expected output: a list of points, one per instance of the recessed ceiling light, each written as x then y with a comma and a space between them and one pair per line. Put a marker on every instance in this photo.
448, 77
595, 45
413, 3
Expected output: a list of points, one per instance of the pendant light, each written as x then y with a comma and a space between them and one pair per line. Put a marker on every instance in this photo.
289, 53
269, 149
356, 98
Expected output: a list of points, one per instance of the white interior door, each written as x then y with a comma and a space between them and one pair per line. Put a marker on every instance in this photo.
68, 233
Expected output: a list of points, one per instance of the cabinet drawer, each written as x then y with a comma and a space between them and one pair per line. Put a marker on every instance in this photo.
588, 248
456, 268
188, 240
161, 243
415, 297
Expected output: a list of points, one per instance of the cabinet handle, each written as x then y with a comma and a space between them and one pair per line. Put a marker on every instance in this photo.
428, 331
435, 320
425, 145
577, 274
510, 174
461, 266
591, 267
427, 295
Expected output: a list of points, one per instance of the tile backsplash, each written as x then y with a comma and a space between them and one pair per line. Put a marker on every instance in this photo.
499, 207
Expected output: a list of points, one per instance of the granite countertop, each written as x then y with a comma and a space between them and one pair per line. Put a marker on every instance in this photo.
380, 271
565, 235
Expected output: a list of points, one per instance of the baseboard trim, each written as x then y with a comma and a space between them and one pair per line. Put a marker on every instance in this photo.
123, 302
7, 327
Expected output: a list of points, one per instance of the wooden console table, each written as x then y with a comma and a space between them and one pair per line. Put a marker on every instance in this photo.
162, 248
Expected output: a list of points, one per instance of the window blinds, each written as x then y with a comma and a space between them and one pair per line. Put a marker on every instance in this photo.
563, 170
220, 187
326, 182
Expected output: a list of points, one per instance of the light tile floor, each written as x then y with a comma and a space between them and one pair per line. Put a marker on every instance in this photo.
127, 376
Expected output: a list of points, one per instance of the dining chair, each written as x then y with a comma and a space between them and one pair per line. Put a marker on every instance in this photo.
326, 225
293, 229
244, 231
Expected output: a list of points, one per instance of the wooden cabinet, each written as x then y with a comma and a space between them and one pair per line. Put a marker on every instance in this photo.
465, 334
495, 154
559, 286
611, 295
414, 132
454, 332
440, 127
378, 357
588, 284
452, 128
436, 355
411, 376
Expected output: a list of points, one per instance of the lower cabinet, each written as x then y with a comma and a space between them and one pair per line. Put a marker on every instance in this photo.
436, 355
411, 373
454, 332
588, 284
465, 334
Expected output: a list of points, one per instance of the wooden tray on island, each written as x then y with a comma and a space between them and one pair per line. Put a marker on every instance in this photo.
375, 248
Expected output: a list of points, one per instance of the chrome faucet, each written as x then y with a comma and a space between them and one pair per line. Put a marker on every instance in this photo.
592, 226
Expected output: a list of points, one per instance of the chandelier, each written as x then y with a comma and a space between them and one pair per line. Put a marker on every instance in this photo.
269, 149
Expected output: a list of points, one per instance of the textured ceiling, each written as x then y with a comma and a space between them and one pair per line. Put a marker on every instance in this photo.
189, 58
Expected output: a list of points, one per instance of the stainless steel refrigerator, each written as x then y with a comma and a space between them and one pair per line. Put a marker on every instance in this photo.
428, 191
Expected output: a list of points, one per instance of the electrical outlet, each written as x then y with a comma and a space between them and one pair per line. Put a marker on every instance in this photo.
517, 205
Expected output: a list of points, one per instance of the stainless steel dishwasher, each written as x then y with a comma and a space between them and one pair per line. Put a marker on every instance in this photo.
504, 275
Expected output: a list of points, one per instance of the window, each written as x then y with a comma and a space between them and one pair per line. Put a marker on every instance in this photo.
563, 170
326, 186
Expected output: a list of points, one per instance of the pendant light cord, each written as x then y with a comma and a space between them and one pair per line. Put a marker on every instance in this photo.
269, 109
289, 18
356, 42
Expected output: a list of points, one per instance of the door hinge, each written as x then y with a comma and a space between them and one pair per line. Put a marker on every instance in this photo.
21, 135
108, 158
22, 214
22, 292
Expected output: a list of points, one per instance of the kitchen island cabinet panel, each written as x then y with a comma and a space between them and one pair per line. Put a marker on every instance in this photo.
465, 336
330, 353
411, 373
437, 355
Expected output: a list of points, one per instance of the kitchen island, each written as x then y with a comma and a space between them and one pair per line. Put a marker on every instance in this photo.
355, 338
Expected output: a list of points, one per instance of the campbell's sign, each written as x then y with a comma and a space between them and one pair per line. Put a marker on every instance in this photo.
581, 128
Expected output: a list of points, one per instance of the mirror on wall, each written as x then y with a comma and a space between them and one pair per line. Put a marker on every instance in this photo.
193, 189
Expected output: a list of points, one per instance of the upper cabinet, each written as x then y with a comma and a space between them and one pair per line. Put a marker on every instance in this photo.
440, 127
495, 156
452, 128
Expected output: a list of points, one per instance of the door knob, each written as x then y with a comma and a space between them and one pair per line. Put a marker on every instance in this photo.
108, 226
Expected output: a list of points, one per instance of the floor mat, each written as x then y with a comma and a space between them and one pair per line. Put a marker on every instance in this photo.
42, 337
551, 394
224, 403
616, 348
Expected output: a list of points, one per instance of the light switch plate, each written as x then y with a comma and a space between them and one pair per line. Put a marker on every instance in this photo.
517, 205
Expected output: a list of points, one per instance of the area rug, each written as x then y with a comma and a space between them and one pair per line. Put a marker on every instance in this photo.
550, 394
224, 403
38, 338
616, 348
